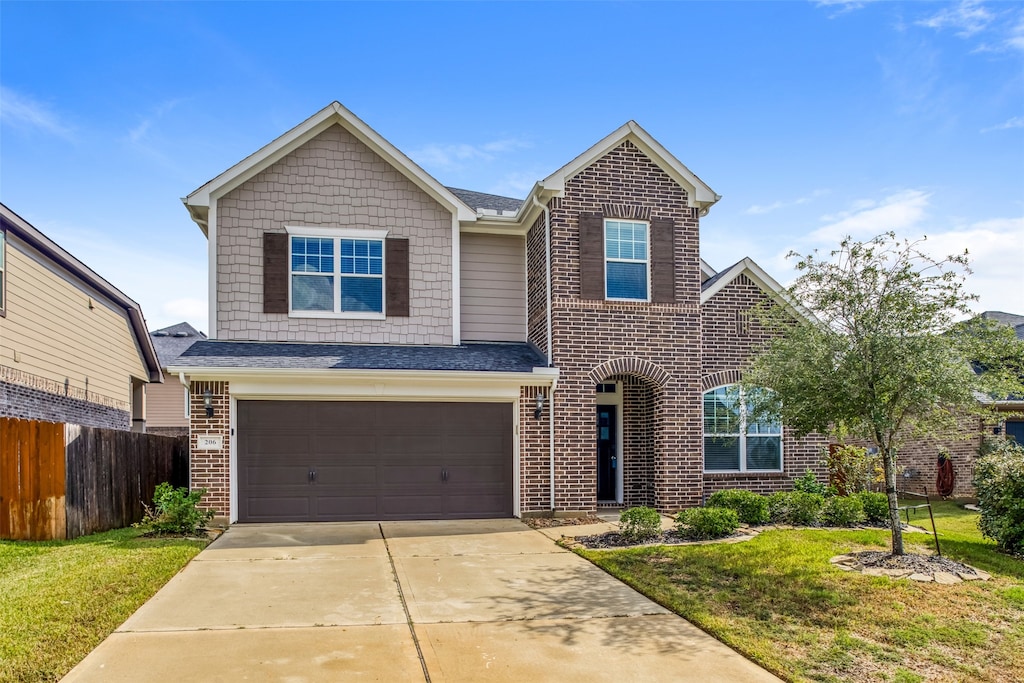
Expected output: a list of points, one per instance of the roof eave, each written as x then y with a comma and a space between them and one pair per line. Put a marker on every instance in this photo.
332, 114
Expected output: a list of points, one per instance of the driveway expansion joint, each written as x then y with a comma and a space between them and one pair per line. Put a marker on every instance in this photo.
405, 606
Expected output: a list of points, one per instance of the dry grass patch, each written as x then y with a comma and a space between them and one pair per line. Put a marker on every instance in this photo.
777, 600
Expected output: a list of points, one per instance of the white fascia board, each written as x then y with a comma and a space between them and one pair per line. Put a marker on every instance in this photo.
519, 224
700, 195
364, 385
330, 115
765, 282
706, 269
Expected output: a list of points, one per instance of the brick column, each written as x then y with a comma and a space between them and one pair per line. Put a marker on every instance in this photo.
210, 468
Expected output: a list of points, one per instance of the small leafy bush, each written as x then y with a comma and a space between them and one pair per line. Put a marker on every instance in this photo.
707, 523
778, 507
175, 511
808, 483
875, 505
999, 479
842, 511
752, 508
852, 469
805, 508
639, 524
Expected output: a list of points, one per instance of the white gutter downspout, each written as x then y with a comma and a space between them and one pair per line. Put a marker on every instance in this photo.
551, 363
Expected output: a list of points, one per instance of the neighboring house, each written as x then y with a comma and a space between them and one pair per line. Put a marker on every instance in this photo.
918, 458
73, 348
167, 403
385, 347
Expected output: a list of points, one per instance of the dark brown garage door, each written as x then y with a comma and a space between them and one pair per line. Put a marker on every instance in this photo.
325, 461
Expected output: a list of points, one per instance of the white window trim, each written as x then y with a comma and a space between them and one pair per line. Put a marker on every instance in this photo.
646, 261
742, 436
338, 234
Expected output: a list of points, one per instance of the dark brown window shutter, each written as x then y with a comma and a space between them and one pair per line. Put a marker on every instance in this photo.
663, 261
591, 256
396, 264
275, 272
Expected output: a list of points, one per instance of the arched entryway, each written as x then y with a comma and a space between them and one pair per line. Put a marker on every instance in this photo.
628, 404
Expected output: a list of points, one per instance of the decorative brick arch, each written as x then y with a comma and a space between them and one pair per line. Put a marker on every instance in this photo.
720, 379
630, 365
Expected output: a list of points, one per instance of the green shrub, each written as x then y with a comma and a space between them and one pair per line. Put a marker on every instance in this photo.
639, 524
752, 508
805, 508
999, 479
842, 511
778, 507
876, 507
707, 523
808, 483
176, 511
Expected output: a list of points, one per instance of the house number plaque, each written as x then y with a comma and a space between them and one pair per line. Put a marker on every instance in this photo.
209, 442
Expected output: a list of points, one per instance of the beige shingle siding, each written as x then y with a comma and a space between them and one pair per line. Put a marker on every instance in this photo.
493, 288
332, 181
165, 404
55, 334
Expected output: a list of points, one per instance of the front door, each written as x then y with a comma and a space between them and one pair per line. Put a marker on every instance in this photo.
607, 458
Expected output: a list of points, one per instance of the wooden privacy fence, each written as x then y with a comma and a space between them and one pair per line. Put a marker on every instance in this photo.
66, 481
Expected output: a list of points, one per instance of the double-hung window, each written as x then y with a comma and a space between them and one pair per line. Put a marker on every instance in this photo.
733, 440
337, 275
627, 260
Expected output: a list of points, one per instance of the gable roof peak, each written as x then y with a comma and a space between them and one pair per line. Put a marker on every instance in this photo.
699, 193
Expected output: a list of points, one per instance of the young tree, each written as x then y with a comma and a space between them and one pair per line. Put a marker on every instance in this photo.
885, 358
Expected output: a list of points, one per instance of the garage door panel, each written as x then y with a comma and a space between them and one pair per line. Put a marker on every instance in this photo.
285, 508
348, 445
373, 460
405, 444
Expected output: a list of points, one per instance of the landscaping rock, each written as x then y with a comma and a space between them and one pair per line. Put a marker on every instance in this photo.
946, 579
843, 559
923, 578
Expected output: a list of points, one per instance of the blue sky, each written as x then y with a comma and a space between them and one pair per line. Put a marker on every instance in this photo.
812, 119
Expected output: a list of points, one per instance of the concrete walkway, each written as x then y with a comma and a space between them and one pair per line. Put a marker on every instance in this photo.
403, 601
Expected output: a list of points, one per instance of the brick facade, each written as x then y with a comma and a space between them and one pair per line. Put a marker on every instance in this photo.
918, 459
28, 403
596, 340
210, 469
729, 338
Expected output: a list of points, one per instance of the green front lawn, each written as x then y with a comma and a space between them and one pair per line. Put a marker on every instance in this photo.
777, 600
60, 599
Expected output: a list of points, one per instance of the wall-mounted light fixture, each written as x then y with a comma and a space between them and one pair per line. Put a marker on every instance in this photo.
997, 430
208, 402
538, 409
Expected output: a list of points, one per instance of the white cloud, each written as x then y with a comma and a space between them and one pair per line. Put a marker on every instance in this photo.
758, 209
451, 156
1015, 122
843, 6
21, 111
867, 218
137, 134
966, 19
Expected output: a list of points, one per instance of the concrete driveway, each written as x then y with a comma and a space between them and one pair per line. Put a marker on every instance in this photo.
403, 601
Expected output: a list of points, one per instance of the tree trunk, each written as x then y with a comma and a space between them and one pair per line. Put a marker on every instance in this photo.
889, 464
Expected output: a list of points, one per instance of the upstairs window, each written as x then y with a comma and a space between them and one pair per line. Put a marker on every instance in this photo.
337, 275
733, 441
627, 261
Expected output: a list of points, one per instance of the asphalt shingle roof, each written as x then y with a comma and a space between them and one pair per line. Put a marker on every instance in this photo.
482, 200
171, 342
284, 355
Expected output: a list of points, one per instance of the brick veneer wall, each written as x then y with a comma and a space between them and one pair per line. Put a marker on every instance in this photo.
730, 338
650, 339
921, 456
210, 470
27, 403
534, 453
638, 441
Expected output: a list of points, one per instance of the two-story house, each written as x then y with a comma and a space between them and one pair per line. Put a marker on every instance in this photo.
73, 348
385, 347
